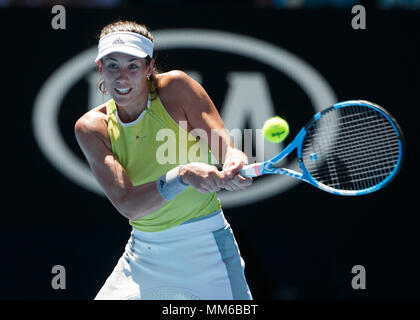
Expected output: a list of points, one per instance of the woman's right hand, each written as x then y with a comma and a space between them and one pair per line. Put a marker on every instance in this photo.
203, 177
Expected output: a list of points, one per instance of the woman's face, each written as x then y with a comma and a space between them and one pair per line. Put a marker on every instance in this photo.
125, 78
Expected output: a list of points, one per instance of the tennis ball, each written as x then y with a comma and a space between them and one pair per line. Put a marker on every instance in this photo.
275, 129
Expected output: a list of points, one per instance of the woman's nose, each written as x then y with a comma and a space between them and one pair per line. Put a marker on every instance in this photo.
122, 74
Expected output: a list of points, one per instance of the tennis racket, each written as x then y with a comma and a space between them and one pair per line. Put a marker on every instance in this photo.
352, 148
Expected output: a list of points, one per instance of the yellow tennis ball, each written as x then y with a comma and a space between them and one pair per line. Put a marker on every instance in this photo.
276, 129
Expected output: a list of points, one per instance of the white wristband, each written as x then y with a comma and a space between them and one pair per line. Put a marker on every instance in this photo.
170, 184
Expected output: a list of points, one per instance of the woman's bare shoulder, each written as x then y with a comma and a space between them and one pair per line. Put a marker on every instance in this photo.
174, 80
178, 87
93, 123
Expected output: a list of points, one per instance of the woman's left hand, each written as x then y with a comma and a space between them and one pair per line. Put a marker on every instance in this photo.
233, 180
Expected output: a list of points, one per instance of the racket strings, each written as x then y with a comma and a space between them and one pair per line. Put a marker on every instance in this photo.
362, 150
352, 145
351, 148
376, 170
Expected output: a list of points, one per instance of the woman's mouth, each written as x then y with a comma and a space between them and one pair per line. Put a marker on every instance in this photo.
122, 91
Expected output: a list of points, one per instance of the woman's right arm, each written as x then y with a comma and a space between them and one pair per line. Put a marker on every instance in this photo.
133, 202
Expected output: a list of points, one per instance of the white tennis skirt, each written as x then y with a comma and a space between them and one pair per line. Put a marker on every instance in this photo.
196, 260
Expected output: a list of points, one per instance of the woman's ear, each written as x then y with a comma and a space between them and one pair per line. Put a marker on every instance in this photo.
151, 66
100, 66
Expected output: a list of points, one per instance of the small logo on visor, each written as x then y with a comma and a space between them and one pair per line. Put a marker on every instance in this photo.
118, 41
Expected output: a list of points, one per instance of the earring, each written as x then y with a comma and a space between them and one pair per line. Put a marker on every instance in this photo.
148, 76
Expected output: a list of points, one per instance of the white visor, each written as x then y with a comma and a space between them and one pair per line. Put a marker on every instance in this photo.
125, 42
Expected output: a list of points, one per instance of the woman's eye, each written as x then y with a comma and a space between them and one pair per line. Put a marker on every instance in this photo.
132, 66
112, 66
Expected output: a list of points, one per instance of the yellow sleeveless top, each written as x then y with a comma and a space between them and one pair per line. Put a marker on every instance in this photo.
149, 147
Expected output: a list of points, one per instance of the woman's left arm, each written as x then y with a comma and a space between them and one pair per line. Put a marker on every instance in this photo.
201, 113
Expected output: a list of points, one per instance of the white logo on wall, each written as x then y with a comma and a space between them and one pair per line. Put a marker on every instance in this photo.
246, 90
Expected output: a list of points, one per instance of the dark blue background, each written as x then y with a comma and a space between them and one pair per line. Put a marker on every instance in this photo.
300, 244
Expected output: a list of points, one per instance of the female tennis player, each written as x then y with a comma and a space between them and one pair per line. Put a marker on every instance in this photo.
181, 246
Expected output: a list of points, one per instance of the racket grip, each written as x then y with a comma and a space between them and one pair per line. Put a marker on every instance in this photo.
252, 170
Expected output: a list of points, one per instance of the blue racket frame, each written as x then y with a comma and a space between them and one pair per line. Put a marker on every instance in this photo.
267, 167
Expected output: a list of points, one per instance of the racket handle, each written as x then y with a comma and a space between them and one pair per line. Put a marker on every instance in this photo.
252, 170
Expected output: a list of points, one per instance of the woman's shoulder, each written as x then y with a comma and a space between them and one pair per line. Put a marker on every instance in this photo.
94, 117
93, 122
174, 80
178, 86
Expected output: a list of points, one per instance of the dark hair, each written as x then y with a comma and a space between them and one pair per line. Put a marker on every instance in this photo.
130, 26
